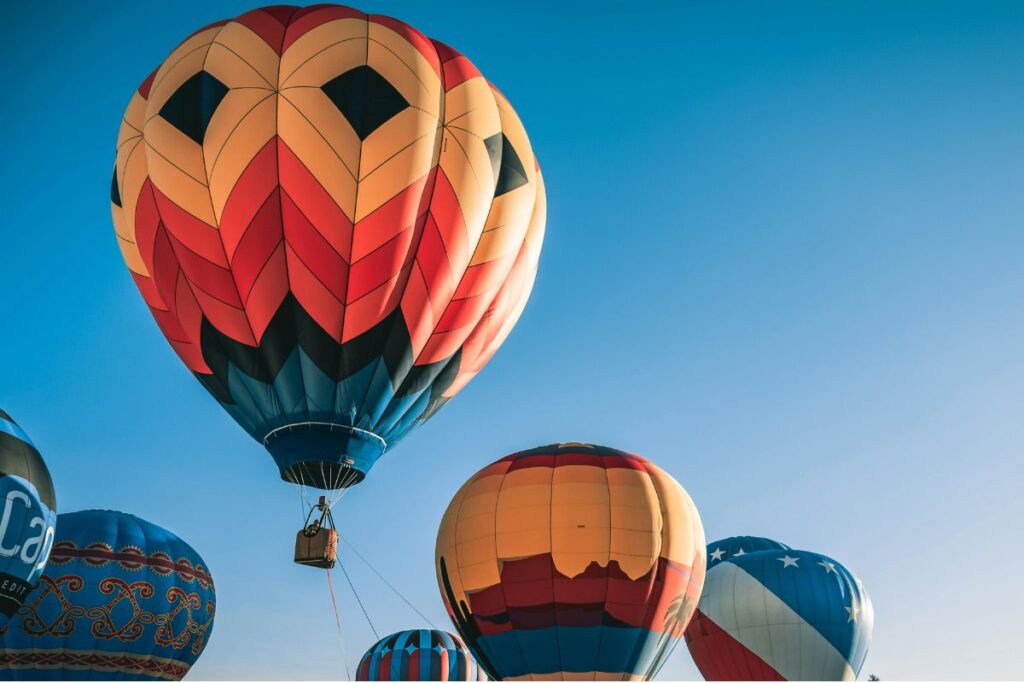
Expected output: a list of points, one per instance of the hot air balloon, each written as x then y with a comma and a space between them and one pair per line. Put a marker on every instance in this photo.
121, 599
737, 546
780, 615
334, 220
27, 518
571, 561
419, 655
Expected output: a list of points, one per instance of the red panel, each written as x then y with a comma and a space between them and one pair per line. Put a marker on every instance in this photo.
260, 241
227, 319
389, 219
527, 593
382, 265
268, 23
433, 263
457, 69
209, 277
199, 237
250, 193
720, 657
416, 308
315, 203
268, 291
326, 309
314, 250
147, 222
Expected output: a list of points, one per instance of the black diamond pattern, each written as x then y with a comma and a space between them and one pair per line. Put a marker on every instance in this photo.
507, 165
115, 195
191, 106
365, 99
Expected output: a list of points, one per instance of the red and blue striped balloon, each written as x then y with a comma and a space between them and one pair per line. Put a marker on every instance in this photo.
419, 655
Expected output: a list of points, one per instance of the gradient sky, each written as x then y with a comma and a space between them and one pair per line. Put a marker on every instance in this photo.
784, 260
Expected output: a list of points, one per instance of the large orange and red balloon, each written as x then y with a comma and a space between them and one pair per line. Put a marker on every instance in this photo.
571, 562
335, 221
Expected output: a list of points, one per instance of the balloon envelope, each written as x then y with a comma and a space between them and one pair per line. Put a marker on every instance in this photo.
121, 599
571, 560
780, 615
419, 655
28, 512
335, 221
737, 546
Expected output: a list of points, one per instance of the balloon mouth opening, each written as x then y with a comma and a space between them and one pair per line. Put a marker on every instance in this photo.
322, 475
324, 455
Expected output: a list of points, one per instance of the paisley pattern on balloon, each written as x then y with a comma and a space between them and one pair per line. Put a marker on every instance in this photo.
121, 599
419, 655
335, 221
28, 512
780, 614
571, 561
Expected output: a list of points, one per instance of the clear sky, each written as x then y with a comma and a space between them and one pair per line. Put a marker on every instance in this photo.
784, 260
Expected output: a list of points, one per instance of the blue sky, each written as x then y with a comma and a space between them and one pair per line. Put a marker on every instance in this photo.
784, 261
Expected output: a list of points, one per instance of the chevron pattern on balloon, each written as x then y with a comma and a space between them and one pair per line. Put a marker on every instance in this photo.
333, 219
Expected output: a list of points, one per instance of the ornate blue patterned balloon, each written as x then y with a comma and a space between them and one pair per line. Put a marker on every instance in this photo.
419, 655
28, 511
121, 599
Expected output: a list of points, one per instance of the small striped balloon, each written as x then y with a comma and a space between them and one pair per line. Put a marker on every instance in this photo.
419, 655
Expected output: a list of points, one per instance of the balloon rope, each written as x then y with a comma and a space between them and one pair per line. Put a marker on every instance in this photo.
337, 620
388, 583
365, 613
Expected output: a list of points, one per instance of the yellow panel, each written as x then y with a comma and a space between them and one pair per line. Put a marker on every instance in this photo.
197, 44
470, 528
519, 544
467, 164
571, 516
524, 495
326, 65
510, 214
683, 533
500, 242
479, 550
479, 575
408, 127
309, 44
570, 474
405, 68
323, 162
175, 149
635, 518
406, 167
640, 543
588, 540
187, 192
579, 493
253, 62
179, 149
476, 503
323, 123
255, 123
529, 475
524, 517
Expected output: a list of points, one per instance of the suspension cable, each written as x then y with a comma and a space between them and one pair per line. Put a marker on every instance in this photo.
359, 600
337, 621
388, 583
